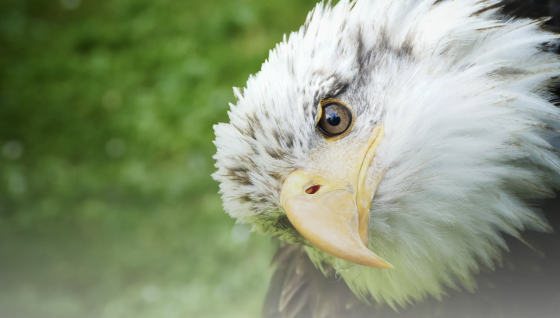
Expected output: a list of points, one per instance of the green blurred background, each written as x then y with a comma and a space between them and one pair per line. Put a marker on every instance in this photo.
107, 207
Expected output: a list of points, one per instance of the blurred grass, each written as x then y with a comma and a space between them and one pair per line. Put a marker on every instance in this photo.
107, 207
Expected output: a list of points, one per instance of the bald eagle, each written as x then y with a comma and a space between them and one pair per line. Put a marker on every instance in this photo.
398, 150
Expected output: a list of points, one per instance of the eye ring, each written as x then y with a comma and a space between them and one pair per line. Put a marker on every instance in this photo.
335, 119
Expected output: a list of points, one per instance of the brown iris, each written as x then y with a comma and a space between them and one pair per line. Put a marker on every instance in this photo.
336, 119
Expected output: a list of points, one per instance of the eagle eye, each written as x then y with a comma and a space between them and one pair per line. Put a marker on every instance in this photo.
335, 119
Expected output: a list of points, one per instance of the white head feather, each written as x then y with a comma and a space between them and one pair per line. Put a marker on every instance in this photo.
462, 95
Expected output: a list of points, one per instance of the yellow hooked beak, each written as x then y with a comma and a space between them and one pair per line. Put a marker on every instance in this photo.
334, 214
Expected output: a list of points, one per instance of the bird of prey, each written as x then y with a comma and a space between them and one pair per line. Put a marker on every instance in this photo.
398, 149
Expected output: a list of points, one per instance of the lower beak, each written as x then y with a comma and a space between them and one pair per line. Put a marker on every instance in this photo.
334, 214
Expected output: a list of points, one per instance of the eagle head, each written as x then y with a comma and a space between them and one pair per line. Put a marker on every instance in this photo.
404, 135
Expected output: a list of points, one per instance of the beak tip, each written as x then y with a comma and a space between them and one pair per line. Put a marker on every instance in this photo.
381, 263
384, 264
372, 260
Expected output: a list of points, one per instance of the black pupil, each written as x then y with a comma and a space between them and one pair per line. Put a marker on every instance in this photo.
333, 119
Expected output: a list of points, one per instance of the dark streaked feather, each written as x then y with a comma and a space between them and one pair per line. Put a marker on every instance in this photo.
299, 290
533, 9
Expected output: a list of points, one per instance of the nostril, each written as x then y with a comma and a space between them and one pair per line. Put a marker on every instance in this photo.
313, 189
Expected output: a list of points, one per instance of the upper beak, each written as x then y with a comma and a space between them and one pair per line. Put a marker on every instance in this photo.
334, 214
